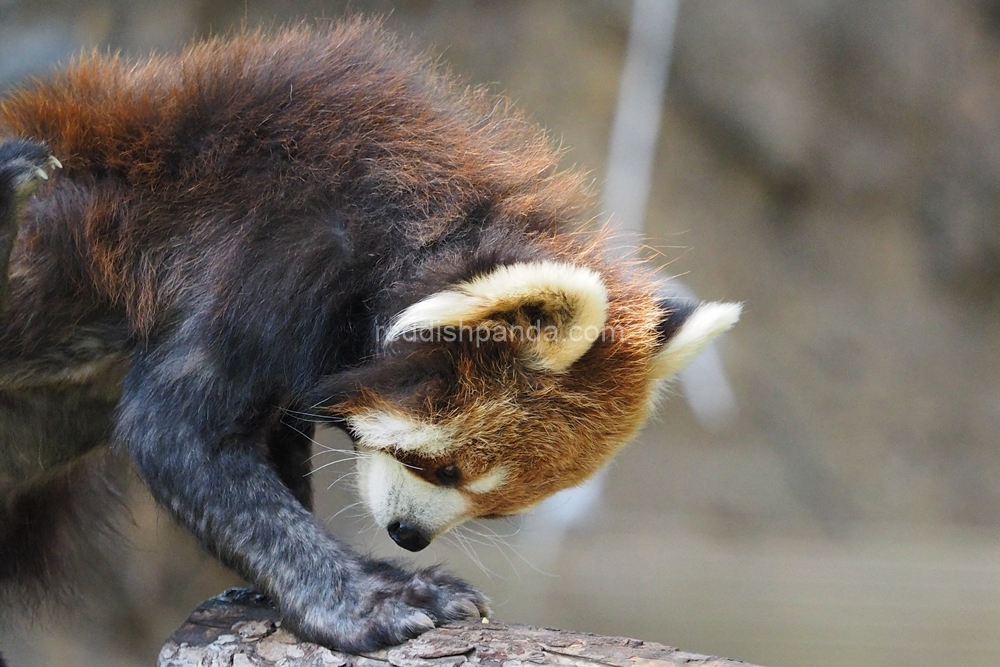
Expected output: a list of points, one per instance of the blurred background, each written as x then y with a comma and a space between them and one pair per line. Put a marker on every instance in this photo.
835, 166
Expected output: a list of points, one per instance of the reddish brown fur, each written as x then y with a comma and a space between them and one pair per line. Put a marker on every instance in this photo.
550, 430
231, 228
107, 116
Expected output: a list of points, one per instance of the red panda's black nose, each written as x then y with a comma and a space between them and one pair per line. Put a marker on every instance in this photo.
407, 536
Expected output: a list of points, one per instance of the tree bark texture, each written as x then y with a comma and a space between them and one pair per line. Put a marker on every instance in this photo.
240, 628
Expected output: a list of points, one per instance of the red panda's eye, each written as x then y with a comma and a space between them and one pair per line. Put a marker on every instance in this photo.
448, 475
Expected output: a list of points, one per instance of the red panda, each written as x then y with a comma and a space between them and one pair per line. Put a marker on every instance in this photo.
202, 255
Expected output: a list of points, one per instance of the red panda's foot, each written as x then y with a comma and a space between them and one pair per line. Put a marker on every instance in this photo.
23, 166
388, 605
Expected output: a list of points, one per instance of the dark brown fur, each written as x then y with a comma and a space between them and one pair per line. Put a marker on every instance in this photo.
278, 126
230, 229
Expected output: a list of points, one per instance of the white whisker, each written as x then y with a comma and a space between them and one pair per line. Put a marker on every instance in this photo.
500, 541
457, 538
342, 510
353, 473
323, 449
303, 434
333, 463
306, 416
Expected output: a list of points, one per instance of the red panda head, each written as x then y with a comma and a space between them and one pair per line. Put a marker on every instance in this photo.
498, 391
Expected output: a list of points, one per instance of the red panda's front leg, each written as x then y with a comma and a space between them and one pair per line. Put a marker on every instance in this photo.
195, 439
23, 165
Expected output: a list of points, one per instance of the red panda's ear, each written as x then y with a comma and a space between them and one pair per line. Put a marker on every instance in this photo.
687, 327
567, 305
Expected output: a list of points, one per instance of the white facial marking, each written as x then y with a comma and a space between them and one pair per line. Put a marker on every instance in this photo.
575, 291
380, 429
393, 493
491, 481
704, 324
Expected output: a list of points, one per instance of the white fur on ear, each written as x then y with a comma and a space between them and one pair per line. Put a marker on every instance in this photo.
574, 297
705, 323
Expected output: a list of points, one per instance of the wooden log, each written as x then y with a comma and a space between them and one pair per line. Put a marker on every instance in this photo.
240, 628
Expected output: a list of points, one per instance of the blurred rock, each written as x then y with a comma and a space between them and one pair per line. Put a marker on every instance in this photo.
891, 101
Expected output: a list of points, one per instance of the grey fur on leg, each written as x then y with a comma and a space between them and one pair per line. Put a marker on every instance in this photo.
328, 593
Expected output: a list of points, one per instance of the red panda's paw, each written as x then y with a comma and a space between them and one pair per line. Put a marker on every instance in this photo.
23, 166
388, 605
445, 597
